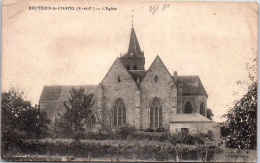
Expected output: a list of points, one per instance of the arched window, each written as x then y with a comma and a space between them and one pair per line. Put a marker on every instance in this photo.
188, 108
156, 113
135, 67
118, 79
128, 67
119, 112
156, 79
202, 109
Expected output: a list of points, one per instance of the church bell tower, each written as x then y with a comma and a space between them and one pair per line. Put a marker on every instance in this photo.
134, 58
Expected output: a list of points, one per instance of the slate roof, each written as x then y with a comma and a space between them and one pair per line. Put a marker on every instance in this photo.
134, 47
189, 118
62, 92
192, 85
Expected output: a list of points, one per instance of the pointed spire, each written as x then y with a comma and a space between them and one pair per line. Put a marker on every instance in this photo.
134, 58
134, 47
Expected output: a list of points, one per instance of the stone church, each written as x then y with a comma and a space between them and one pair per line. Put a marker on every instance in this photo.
129, 94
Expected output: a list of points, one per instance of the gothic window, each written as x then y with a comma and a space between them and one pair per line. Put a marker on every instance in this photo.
119, 113
128, 67
202, 109
188, 108
156, 113
156, 79
118, 79
135, 67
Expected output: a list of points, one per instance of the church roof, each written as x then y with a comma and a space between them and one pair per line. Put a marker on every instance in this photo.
137, 73
62, 93
134, 47
189, 118
192, 85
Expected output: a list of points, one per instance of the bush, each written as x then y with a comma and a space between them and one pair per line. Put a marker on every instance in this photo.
100, 136
125, 131
149, 129
191, 139
160, 129
151, 136
144, 150
164, 137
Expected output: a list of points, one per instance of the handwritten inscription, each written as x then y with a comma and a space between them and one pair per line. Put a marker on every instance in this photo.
154, 8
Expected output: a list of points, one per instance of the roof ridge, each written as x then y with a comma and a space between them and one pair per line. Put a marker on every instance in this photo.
187, 75
60, 86
59, 93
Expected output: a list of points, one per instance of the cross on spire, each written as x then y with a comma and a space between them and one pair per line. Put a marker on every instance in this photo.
132, 18
134, 58
133, 47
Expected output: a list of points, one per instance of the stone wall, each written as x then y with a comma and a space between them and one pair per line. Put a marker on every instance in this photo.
195, 101
179, 97
164, 89
118, 83
112, 90
193, 127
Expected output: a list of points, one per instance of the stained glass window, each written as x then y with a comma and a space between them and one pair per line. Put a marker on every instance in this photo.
119, 113
188, 108
202, 109
156, 113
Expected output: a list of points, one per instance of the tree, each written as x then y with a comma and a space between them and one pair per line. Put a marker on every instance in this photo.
61, 128
78, 111
242, 117
209, 114
20, 120
176, 140
108, 113
204, 145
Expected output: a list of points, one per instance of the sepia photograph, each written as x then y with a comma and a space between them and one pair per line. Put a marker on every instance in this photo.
121, 81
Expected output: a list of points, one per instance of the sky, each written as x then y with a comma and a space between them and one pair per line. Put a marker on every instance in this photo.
214, 40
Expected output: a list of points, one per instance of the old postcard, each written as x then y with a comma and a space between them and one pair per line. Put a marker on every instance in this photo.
121, 81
